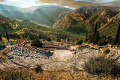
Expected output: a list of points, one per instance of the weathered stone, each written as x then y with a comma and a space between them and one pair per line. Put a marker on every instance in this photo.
62, 55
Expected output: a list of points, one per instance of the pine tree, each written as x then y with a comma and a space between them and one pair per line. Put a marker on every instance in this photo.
7, 36
95, 37
95, 30
117, 34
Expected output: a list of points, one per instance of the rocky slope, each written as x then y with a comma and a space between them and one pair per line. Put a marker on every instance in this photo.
84, 19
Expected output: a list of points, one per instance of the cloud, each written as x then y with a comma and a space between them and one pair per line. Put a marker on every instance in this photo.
78, 3
20, 3
13, 0
70, 3
1, 0
90, 0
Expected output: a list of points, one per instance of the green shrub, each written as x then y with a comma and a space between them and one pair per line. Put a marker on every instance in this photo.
110, 39
79, 42
19, 74
16, 76
102, 42
58, 40
36, 43
38, 69
101, 65
49, 39
105, 40
0, 58
94, 37
2, 45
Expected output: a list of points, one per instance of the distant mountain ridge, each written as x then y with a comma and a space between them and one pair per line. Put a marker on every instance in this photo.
78, 21
84, 19
46, 14
11, 11
49, 14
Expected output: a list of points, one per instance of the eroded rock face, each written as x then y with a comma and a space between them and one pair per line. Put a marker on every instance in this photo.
62, 55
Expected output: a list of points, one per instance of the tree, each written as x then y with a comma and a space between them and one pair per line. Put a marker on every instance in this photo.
79, 42
36, 43
38, 69
95, 30
95, 37
7, 36
102, 42
117, 34
49, 39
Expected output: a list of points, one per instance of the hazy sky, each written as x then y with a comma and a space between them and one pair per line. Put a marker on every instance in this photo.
69, 3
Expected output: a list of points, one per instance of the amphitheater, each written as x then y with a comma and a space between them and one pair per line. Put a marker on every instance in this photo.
55, 61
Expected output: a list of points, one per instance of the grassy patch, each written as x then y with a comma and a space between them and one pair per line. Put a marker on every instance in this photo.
60, 75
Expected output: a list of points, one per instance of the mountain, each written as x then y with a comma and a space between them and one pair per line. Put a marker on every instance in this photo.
46, 14
16, 12
7, 7
49, 14
32, 8
83, 20
28, 29
11, 11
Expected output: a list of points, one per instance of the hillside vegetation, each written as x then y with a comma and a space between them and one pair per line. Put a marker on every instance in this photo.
31, 30
60, 75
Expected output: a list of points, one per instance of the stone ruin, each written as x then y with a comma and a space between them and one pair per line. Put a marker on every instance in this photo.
62, 55
60, 60
19, 51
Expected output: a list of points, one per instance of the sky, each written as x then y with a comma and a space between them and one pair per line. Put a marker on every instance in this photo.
69, 3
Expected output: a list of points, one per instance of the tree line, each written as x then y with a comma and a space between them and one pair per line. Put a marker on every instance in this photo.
95, 37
